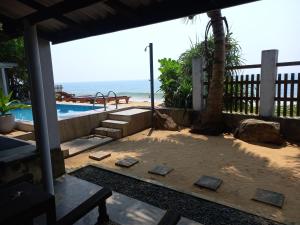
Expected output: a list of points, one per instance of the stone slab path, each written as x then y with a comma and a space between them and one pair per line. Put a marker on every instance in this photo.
126, 162
99, 155
269, 197
160, 170
211, 183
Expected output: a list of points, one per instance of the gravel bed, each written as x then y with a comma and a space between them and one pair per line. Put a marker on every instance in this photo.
200, 210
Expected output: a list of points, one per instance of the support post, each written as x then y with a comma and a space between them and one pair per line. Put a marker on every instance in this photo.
37, 97
151, 81
197, 82
269, 59
49, 93
4, 82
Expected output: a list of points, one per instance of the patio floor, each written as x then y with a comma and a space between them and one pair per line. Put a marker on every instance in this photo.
242, 167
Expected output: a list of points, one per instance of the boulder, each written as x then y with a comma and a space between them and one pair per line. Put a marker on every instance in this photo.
254, 130
164, 122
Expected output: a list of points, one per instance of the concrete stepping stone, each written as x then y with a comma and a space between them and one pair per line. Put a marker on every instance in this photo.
269, 197
79, 145
99, 155
127, 162
211, 183
160, 170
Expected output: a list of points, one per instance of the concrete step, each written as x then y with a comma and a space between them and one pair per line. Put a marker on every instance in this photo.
128, 115
138, 119
79, 145
117, 124
109, 132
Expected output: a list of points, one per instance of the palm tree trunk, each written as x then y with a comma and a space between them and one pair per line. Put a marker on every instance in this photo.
211, 118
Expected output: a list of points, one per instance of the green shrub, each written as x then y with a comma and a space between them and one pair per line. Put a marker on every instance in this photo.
175, 86
176, 75
7, 104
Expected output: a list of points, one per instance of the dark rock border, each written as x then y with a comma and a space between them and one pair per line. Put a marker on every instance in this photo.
200, 210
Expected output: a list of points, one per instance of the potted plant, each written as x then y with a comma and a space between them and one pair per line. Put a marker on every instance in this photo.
7, 120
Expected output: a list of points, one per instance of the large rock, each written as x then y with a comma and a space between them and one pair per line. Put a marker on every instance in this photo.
164, 122
253, 130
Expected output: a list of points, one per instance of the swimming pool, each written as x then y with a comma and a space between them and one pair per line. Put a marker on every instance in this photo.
63, 111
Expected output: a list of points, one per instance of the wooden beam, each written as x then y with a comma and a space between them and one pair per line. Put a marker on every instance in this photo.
154, 13
13, 29
35, 5
32, 4
121, 8
10, 27
58, 9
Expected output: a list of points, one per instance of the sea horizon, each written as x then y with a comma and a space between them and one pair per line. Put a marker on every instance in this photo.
138, 90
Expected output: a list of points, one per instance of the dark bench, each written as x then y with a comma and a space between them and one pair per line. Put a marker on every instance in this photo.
170, 218
21, 201
74, 198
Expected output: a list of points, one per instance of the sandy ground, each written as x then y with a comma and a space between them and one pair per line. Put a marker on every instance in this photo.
243, 167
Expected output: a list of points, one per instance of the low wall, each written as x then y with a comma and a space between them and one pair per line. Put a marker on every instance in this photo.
289, 127
80, 126
24, 126
74, 127
84, 125
183, 117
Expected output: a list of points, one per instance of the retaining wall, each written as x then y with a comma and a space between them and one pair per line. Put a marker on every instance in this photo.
289, 127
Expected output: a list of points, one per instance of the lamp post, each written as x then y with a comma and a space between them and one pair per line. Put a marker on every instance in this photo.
151, 80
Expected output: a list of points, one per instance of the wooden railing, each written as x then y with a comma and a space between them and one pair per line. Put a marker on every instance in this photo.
242, 92
287, 98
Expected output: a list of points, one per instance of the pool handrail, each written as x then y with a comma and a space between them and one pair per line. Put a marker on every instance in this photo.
116, 99
104, 100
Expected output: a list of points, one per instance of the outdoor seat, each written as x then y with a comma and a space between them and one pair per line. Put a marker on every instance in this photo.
170, 218
63, 96
74, 198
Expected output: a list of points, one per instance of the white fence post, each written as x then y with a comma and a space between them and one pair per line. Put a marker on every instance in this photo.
269, 59
197, 81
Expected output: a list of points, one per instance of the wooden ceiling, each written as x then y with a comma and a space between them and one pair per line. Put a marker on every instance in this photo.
65, 20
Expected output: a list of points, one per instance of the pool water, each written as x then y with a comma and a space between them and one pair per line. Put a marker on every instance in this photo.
63, 111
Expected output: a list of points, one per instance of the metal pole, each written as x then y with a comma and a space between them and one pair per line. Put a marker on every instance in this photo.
5, 89
40, 118
151, 81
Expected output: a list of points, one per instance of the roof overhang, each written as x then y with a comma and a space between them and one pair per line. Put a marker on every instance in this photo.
60, 21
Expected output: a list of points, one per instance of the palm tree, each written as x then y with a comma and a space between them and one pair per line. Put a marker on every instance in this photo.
210, 121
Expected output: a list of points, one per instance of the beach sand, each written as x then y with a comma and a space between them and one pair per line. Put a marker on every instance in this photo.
243, 167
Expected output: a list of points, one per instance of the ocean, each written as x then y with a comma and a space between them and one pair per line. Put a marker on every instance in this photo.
138, 90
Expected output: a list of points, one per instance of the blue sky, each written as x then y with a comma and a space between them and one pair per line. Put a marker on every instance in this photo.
267, 24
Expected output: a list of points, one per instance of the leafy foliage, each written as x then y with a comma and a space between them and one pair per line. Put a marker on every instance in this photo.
18, 81
176, 75
233, 55
176, 87
7, 104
